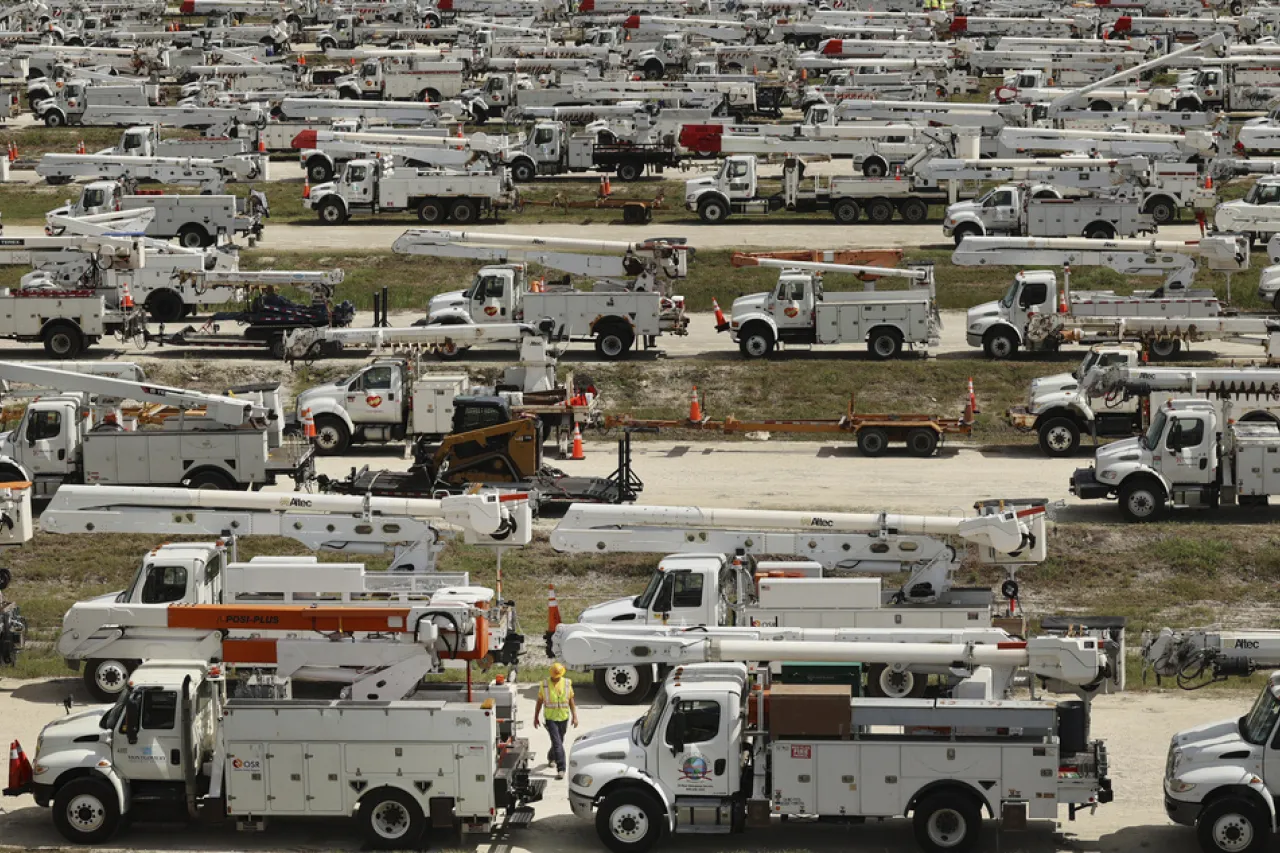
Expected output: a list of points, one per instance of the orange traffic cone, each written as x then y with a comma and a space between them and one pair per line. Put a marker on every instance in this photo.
126, 298
578, 452
262, 145
1062, 300
897, 173
553, 609
302, 59
306, 189
308, 424
973, 399
80, 147
695, 407
20, 774
721, 322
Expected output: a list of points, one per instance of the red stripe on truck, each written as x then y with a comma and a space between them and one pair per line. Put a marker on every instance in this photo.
304, 141
832, 47
703, 138
631, 23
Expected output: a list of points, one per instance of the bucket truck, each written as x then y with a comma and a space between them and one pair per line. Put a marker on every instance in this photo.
232, 443
210, 174
145, 141
722, 750
1257, 215
1039, 314
799, 311
1019, 210
322, 153
703, 580
111, 635
630, 302
375, 187
16, 528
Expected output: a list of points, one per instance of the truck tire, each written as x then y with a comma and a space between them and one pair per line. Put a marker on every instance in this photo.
1232, 825
1059, 437
58, 180
55, 118
86, 810
106, 678
1000, 344
885, 343
756, 342
948, 821
430, 95
1162, 210
327, 45
1164, 350
332, 436
913, 211
1187, 105
624, 685
464, 211
166, 306
874, 167
331, 212
1100, 231
922, 442
880, 211
884, 683
1236, 7
872, 441
630, 821
319, 171
845, 211
966, 230
192, 236
653, 70
210, 480
523, 171
1142, 499
630, 170
391, 820
431, 211
713, 211
614, 342
62, 340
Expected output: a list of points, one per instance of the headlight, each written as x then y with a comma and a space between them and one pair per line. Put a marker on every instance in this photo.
975, 327
1177, 786
1106, 475
582, 780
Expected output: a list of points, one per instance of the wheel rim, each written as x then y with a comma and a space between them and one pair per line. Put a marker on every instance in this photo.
622, 680
757, 345
110, 676
713, 212
390, 820
922, 444
86, 813
1058, 438
1233, 833
885, 346
1141, 503
462, 213
881, 213
611, 345
946, 828
847, 213
896, 685
872, 443
1163, 349
1000, 347
331, 214
629, 823
60, 343
327, 438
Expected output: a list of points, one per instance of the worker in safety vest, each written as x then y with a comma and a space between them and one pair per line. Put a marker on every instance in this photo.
556, 696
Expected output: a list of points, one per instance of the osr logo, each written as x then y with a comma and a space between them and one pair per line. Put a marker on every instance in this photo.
373, 400
695, 769
491, 310
791, 311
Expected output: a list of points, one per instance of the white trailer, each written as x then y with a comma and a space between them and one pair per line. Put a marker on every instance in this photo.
375, 187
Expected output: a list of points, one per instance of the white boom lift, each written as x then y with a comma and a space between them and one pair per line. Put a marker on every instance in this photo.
210, 174
445, 341
1087, 173
1220, 382
1197, 657
112, 252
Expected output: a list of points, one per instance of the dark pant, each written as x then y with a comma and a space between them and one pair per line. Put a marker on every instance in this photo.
556, 729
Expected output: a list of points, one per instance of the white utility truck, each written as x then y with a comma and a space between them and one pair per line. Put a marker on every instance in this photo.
210, 174
799, 311
1014, 210
1257, 215
1039, 313
630, 303
550, 149
376, 187
195, 220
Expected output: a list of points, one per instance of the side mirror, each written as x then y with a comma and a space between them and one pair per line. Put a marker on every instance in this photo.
677, 730
133, 717
662, 601
1175, 439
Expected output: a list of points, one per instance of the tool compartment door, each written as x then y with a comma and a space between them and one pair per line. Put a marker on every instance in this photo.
795, 777
284, 777
323, 776
879, 767
475, 779
246, 778
1030, 773
839, 323
837, 778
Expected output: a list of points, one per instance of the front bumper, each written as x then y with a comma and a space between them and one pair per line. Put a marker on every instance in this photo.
581, 805
1085, 485
973, 339
1181, 812
1021, 419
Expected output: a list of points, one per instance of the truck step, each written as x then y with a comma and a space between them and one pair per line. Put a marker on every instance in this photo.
519, 818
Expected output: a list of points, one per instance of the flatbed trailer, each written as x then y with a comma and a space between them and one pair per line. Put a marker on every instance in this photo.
635, 211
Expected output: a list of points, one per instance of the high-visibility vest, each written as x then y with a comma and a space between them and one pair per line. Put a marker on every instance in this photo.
555, 699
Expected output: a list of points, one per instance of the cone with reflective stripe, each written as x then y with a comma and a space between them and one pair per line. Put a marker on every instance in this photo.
973, 399
306, 189
578, 453
695, 407
126, 298
553, 610
721, 322
20, 774
308, 424
80, 148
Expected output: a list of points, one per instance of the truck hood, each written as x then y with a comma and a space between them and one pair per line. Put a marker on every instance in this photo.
67, 729
1212, 745
453, 299
6, 444
609, 744
962, 207
752, 303
617, 610
1127, 450
322, 392
980, 312
1055, 384
1042, 401
694, 186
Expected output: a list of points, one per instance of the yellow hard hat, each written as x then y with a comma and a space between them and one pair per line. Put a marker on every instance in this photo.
557, 670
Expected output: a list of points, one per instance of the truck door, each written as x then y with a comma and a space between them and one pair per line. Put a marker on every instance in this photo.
358, 178
740, 182
489, 299
544, 146
374, 396
679, 601
46, 445
495, 91
693, 758
793, 303
1035, 298
1187, 450
1000, 211
147, 744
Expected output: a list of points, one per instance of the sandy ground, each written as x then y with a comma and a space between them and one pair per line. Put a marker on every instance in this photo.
1136, 727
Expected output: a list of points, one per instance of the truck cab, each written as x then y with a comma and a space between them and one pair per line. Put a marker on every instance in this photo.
1257, 215
1060, 409
369, 405
493, 297
733, 188
45, 445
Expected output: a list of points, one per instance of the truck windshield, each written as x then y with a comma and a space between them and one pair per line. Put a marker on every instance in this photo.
94, 198
1256, 726
1010, 295
648, 724
1083, 370
112, 717
1261, 193
1152, 438
644, 599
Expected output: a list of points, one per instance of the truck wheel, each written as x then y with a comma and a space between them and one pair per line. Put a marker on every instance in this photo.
165, 306
479, 115
1165, 349
58, 180
1000, 344
327, 45
192, 236
431, 211
913, 211
105, 678
872, 441
210, 480
630, 821
922, 442
392, 820
947, 822
430, 95
845, 211
614, 342
963, 231
713, 211
86, 810
332, 436
1187, 105
654, 71
874, 168
880, 211
1059, 437
53, 118
629, 170
1142, 500
1162, 211
757, 343
464, 211
885, 344
1236, 7
1100, 231
331, 212
884, 683
522, 171
1231, 825
624, 685
319, 171
62, 340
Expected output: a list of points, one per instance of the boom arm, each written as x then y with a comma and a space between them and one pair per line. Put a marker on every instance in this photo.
1196, 657
1064, 102
1257, 382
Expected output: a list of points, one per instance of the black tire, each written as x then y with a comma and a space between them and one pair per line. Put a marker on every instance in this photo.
654, 71
1188, 105
1232, 825
713, 211
872, 441
630, 170
1164, 350
431, 211
884, 683
192, 236
756, 342
1142, 499
845, 211
966, 230
62, 340
523, 171
1059, 437
880, 211
464, 211
106, 678
614, 342
54, 118
1099, 232
1162, 211
922, 442
210, 480
86, 810
331, 212
391, 820
6, 578
166, 306
1236, 7
624, 685
947, 822
327, 45
58, 180
630, 821
913, 211
874, 168
319, 171
332, 436
885, 343
1000, 344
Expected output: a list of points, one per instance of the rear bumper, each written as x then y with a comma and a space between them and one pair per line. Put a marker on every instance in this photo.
1085, 485
1021, 419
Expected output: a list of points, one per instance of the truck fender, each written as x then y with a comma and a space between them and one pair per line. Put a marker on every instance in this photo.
968, 219
450, 317
1012, 329
952, 786
522, 168
1145, 472
1080, 413
331, 407
604, 321
14, 471
757, 317
629, 777
109, 775
1229, 781
709, 192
